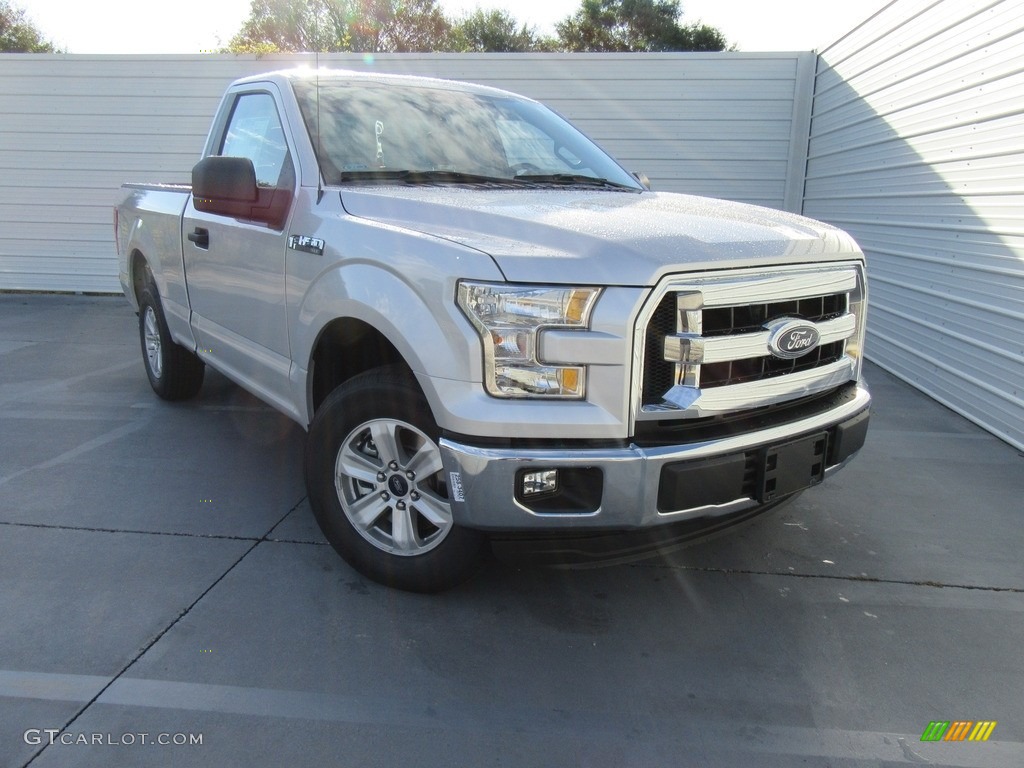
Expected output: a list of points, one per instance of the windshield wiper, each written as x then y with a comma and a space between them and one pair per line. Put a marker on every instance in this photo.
391, 175
385, 175
573, 179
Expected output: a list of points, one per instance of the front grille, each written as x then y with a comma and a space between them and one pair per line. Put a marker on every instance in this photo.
707, 333
757, 368
724, 321
659, 375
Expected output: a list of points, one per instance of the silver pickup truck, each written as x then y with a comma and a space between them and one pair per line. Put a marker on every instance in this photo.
486, 324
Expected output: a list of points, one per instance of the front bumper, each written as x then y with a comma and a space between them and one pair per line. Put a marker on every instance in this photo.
633, 487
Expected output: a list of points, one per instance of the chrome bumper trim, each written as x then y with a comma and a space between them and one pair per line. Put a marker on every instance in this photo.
485, 477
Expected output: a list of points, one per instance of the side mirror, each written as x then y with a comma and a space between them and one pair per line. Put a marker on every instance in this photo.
642, 178
227, 186
223, 180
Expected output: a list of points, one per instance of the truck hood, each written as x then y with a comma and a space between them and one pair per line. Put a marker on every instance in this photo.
599, 237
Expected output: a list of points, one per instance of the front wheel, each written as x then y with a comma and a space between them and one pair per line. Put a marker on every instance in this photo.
378, 489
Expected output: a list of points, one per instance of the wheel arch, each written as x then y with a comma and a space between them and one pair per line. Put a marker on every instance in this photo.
138, 265
366, 317
345, 348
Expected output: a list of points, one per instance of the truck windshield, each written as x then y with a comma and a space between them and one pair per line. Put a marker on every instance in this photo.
375, 131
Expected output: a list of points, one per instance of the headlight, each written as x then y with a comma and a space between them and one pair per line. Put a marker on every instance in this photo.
509, 318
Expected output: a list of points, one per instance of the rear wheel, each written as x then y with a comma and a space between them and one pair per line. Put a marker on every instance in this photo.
174, 372
378, 488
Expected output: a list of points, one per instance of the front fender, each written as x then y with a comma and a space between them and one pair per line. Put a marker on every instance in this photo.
408, 298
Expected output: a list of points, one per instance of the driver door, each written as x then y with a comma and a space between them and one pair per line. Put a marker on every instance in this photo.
235, 268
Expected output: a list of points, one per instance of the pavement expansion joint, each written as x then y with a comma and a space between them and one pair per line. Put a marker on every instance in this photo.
181, 614
89, 529
296, 541
838, 577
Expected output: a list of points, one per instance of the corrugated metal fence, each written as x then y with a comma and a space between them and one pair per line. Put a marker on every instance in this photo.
917, 149
916, 146
73, 128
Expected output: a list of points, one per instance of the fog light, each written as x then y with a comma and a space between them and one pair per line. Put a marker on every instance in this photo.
537, 483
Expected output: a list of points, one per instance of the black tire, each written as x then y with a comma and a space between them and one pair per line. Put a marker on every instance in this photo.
378, 490
174, 372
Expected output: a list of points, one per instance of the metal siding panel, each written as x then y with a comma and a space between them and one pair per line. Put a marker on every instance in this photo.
60, 145
974, 287
800, 132
967, 360
994, 172
930, 42
947, 384
75, 127
917, 148
983, 66
994, 333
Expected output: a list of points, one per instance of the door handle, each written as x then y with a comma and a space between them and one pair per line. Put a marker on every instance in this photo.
201, 237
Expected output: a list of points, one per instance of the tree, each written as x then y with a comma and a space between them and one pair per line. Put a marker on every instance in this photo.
343, 25
285, 25
19, 35
635, 25
498, 31
399, 26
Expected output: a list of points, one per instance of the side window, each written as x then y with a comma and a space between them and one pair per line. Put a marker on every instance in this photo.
254, 131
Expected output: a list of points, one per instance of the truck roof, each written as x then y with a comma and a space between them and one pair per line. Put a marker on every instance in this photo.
328, 75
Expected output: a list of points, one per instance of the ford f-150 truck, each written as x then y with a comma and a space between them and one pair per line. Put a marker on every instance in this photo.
486, 324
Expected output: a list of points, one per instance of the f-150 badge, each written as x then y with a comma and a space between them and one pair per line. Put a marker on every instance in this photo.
308, 244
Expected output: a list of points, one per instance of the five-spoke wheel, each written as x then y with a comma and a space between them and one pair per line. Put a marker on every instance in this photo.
378, 489
388, 476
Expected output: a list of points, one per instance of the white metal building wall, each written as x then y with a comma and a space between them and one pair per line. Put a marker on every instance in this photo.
917, 148
73, 128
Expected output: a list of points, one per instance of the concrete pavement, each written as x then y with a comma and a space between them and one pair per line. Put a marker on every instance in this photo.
162, 575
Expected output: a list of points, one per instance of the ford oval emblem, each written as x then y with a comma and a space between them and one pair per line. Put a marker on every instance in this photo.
790, 338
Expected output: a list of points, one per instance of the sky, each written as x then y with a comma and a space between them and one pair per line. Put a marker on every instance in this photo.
194, 26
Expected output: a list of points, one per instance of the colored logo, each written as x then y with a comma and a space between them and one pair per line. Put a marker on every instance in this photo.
958, 730
398, 485
790, 338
